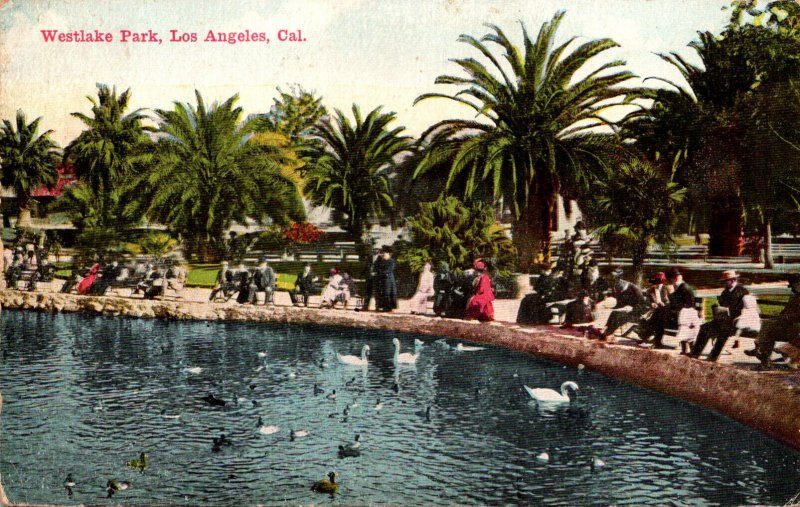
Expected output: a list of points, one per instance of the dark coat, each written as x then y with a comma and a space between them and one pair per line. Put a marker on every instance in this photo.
385, 286
305, 283
682, 297
631, 296
733, 300
264, 279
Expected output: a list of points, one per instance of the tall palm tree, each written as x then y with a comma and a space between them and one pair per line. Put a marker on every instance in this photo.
349, 170
105, 153
206, 174
28, 161
536, 135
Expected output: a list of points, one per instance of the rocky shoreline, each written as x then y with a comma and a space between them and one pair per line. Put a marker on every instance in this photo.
764, 401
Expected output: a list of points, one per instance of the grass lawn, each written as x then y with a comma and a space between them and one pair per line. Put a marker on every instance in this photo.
205, 275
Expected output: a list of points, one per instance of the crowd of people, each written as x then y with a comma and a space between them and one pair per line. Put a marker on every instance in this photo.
149, 279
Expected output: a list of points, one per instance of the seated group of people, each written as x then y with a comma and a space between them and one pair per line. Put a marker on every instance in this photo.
148, 279
19, 260
245, 283
467, 295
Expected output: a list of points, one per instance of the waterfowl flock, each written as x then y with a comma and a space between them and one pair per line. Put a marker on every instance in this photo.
349, 450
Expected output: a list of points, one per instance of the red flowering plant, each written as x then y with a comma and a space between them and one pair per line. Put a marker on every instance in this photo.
302, 233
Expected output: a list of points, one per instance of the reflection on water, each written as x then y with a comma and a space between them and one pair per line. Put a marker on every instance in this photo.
84, 395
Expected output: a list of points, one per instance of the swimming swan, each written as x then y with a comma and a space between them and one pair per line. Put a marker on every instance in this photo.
467, 348
405, 357
355, 361
549, 395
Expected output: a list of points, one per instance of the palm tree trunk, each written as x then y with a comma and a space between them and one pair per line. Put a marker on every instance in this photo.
524, 231
24, 219
768, 261
638, 257
532, 231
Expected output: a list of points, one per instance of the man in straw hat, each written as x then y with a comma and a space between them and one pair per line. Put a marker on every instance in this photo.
785, 326
731, 302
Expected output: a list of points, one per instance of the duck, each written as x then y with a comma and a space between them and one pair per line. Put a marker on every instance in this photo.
544, 457
222, 440
213, 400
69, 483
169, 416
262, 354
268, 430
425, 413
468, 348
297, 434
318, 390
351, 450
194, 370
332, 395
396, 387
549, 395
378, 405
138, 464
328, 485
596, 463
405, 357
353, 360
113, 486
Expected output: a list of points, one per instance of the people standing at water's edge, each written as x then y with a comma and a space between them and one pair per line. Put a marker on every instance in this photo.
303, 286
480, 305
371, 275
419, 303
386, 286
731, 302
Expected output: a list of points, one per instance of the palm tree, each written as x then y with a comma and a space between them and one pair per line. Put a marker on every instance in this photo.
105, 154
29, 160
206, 174
349, 170
633, 206
537, 134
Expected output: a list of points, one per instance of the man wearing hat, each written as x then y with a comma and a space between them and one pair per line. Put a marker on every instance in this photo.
265, 281
681, 297
626, 294
533, 308
370, 275
385, 286
731, 302
303, 286
786, 326
224, 282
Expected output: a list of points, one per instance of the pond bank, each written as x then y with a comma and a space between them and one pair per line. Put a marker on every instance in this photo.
769, 402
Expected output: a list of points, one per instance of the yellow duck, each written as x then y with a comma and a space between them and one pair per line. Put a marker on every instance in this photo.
138, 464
326, 486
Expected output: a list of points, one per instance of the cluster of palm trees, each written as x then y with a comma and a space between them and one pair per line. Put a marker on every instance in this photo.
720, 150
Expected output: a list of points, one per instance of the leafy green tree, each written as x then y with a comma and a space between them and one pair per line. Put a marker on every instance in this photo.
105, 153
536, 135
205, 175
632, 206
28, 160
450, 231
294, 113
349, 170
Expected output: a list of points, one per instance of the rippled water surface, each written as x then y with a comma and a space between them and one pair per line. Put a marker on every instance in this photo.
83, 395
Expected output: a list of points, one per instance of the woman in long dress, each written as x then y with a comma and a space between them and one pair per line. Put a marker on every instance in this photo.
479, 305
419, 304
333, 290
86, 284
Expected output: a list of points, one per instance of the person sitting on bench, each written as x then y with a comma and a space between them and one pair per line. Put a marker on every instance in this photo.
579, 311
303, 286
225, 283
731, 302
784, 327
626, 294
681, 297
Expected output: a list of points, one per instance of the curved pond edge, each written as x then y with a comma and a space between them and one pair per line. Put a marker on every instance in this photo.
759, 400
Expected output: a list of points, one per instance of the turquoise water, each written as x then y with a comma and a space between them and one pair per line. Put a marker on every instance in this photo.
84, 394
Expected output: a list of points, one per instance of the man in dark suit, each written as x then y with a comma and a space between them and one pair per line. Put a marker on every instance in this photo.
224, 282
682, 297
731, 302
370, 275
265, 281
626, 294
303, 286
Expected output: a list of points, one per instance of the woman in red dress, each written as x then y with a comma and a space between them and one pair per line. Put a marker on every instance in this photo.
86, 283
480, 304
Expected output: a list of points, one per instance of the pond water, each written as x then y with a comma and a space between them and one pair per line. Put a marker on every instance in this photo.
84, 395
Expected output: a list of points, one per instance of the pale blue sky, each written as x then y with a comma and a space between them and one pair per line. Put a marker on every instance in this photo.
366, 51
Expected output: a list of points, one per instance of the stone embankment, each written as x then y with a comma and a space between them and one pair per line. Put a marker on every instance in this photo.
764, 401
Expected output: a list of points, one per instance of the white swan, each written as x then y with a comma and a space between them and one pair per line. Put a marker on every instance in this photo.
353, 360
268, 430
467, 348
405, 357
549, 395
